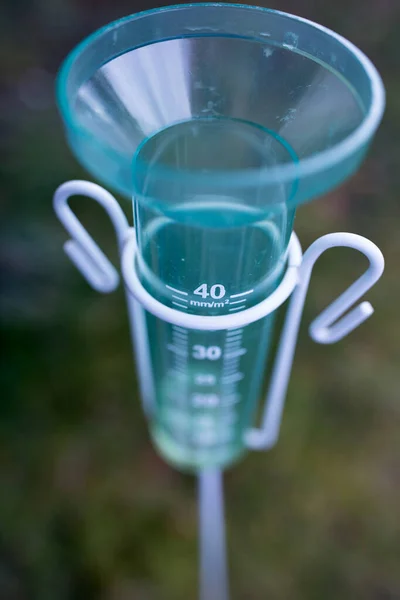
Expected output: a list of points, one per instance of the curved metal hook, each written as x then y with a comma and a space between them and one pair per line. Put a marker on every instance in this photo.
329, 327
82, 249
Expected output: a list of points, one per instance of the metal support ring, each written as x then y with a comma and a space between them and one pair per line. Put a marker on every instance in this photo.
205, 323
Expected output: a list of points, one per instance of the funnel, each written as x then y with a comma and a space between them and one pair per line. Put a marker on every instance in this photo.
306, 100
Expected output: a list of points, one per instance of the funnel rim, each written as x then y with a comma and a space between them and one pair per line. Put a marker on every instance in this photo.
320, 162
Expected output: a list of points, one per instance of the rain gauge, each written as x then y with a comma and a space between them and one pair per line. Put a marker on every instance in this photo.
216, 121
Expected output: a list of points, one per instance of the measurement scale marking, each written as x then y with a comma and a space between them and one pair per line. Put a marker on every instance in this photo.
232, 378
181, 366
227, 372
180, 338
242, 294
182, 357
231, 360
238, 301
180, 298
177, 371
236, 353
177, 350
205, 379
180, 305
177, 291
231, 365
182, 362
234, 360
237, 308
227, 403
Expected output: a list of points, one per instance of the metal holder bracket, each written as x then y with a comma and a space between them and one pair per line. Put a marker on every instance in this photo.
332, 325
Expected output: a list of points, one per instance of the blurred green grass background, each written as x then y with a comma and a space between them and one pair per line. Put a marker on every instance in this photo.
87, 509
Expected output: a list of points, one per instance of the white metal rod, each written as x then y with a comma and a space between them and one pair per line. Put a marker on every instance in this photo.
141, 349
213, 562
100, 273
329, 327
204, 322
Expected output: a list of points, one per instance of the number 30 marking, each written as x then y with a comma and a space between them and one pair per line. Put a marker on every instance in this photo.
206, 353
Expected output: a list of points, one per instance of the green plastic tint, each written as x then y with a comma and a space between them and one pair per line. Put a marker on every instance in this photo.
219, 119
148, 71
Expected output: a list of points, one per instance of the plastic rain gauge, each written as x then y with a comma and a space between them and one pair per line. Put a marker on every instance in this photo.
216, 121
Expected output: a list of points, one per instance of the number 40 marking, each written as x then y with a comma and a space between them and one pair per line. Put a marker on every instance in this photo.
217, 291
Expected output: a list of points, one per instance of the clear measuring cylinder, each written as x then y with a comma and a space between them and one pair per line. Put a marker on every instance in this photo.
208, 246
